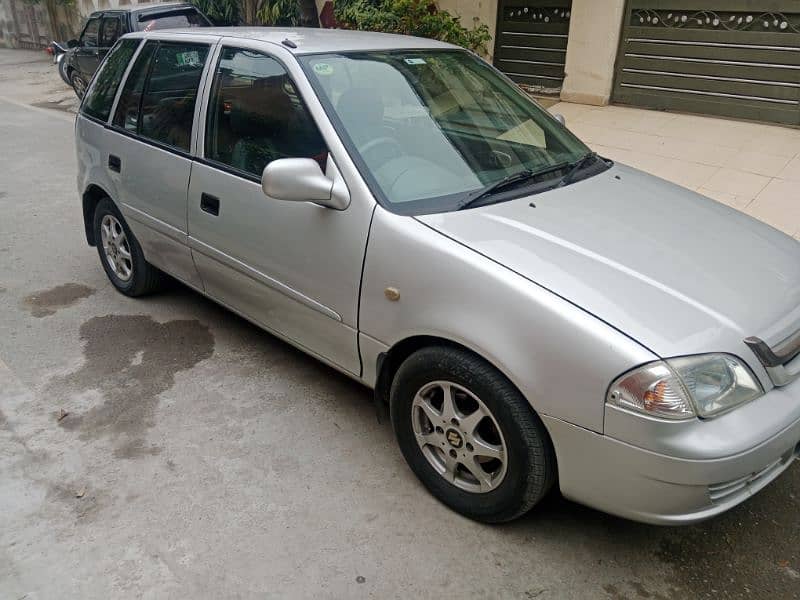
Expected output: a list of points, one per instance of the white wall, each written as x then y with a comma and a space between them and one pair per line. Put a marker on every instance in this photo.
473, 13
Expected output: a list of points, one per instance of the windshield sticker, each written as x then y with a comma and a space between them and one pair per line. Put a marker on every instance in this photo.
415, 61
188, 59
323, 69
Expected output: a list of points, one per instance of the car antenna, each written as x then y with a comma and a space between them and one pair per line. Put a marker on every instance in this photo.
289, 43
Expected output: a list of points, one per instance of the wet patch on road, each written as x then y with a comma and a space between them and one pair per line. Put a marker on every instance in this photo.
129, 360
82, 501
135, 448
750, 552
46, 302
67, 105
633, 590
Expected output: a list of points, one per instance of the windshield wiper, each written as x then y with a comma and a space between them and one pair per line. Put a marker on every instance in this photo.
576, 167
509, 181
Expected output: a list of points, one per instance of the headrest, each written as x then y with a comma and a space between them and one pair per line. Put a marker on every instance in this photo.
361, 110
262, 110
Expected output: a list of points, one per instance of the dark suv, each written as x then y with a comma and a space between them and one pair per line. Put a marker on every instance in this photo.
104, 27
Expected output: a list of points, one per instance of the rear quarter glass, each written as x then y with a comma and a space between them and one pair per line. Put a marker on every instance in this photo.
100, 97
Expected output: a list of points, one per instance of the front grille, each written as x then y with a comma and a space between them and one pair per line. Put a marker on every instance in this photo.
720, 492
782, 361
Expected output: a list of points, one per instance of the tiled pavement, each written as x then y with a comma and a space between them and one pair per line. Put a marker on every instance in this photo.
750, 166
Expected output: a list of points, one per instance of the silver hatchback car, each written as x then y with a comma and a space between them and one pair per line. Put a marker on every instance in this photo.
530, 312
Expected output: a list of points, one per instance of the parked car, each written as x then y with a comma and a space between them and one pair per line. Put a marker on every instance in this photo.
77, 65
531, 313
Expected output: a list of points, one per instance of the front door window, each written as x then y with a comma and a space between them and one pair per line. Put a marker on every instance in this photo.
109, 32
89, 35
256, 115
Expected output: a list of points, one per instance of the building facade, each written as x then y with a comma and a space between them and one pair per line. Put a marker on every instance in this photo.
736, 58
27, 25
23, 25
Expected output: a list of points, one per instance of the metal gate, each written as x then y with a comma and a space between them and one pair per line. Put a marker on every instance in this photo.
736, 58
531, 42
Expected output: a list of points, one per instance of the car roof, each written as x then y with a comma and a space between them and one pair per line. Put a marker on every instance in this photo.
310, 40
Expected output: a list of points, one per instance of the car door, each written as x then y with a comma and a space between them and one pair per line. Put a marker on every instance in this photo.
150, 157
293, 267
86, 54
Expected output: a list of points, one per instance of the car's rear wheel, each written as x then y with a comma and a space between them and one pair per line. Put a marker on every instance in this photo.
120, 253
469, 435
79, 84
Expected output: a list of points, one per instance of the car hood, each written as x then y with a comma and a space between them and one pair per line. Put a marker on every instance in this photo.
676, 271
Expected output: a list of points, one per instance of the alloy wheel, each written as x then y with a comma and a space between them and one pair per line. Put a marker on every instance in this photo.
116, 247
79, 85
459, 436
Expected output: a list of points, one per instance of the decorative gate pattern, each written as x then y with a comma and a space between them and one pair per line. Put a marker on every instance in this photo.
531, 42
738, 58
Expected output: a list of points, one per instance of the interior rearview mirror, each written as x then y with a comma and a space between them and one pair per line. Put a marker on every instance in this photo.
560, 118
302, 180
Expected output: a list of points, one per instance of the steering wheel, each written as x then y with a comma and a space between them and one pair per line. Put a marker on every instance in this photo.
392, 146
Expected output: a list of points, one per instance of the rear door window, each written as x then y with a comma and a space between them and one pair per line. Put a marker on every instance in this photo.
89, 35
100, 96
158, 100
171, 92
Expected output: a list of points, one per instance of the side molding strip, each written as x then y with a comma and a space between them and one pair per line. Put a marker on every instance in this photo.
260, 277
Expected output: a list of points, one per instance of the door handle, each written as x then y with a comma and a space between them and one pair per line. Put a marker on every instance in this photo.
209, 204
114, 163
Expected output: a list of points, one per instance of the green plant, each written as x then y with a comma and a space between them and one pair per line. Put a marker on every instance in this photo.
221, 12
411, 17
279, 12
259, 12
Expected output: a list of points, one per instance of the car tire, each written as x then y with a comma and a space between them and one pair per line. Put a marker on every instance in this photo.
488, 489
120, 253
62, 69
79, 84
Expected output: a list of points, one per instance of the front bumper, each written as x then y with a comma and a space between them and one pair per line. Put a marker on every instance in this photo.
627, 480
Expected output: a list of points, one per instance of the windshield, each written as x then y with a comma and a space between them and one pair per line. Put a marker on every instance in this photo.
431, 128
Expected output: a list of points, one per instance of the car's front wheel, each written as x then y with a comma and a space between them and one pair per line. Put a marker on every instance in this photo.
120, 254
469, 435
79, 84
62, 68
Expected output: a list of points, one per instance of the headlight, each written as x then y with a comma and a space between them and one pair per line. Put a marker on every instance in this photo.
680, 388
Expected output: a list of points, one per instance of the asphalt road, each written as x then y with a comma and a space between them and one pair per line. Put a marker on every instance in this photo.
164, 448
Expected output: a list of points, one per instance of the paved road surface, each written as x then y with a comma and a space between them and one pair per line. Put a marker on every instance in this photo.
202, 458
30, 76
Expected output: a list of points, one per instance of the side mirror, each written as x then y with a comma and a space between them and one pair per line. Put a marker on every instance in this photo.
560, 118
302, 180
72, 43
